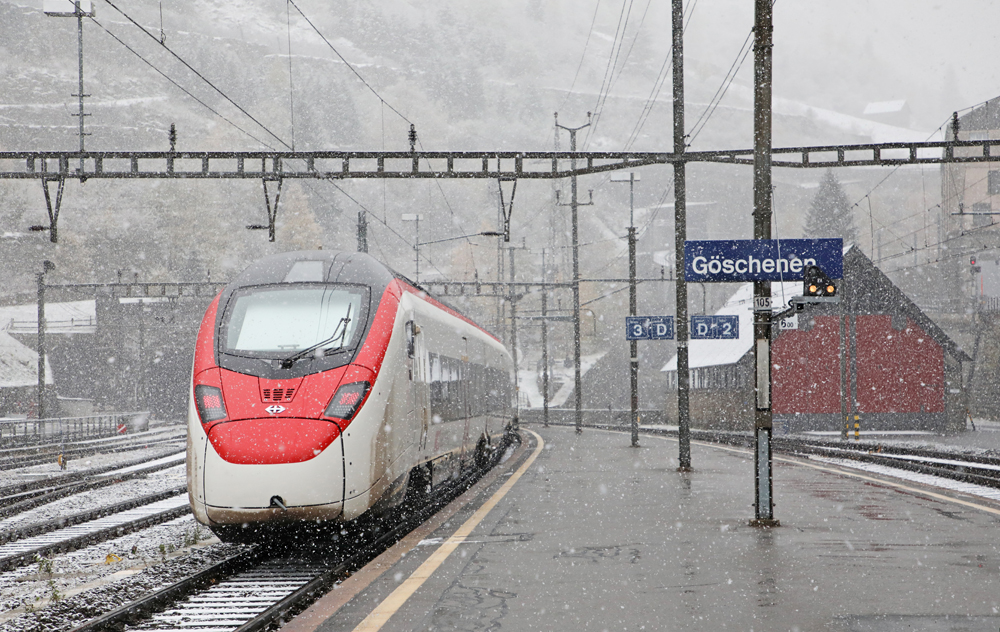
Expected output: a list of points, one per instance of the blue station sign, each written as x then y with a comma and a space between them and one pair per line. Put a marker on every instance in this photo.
715, 327
761, 259
649, 327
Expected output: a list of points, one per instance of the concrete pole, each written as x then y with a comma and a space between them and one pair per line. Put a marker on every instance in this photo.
763, 505
680, 236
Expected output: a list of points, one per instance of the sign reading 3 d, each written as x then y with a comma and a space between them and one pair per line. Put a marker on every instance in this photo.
761, 259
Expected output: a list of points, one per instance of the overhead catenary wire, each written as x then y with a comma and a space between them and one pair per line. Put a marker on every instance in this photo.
628, 53
616, 46
198, 74
583, 55
348, 64
658, 83
177, 85
720, 93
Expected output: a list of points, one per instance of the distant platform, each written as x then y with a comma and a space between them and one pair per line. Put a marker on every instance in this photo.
583, 532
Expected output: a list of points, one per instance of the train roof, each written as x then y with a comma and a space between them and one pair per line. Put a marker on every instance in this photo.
318, 266
328, 266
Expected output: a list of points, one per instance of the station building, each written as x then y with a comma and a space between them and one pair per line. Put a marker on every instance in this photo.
874, 355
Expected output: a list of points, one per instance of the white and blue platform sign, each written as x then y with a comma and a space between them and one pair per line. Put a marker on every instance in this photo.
649, 327
761, 259
715, 327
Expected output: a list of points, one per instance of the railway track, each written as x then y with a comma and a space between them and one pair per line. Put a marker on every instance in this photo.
54, 538
24, 496
975, 469
258, 587
17, 458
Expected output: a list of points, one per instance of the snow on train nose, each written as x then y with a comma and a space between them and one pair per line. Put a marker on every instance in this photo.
250, 462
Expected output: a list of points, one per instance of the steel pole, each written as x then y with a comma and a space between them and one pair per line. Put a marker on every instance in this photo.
545, 347
513, 336
633, 346
763, 504
40, 277
79, 50
574, 207
680, 236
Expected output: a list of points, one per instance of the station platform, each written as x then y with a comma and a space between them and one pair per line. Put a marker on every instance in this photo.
583, 532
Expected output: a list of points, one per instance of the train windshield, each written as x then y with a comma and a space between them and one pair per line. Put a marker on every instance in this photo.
280, 322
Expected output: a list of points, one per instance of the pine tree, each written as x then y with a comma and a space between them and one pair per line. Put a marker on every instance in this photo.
830, 214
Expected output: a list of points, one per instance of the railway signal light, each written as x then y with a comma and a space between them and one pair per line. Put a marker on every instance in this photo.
816, 283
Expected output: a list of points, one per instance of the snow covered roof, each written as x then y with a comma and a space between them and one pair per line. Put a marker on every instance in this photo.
885, 107
60, 318
19, 364
702, 353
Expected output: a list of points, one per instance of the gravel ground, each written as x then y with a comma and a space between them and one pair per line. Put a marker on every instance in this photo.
54, 594
94, 499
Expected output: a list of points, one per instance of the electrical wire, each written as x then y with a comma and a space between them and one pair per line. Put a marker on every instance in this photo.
658, 83
628, 53
616, 46
583, 56
197, 73
720, 93
349, 65
177, 85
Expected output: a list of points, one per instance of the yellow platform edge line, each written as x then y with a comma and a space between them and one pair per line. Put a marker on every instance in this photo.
391, 604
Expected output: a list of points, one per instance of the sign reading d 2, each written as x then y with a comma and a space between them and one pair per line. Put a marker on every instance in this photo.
715, 327
649, 327
761, 259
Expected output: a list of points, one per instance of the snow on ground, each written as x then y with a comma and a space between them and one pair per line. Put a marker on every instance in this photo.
36, 585
93, 461
94, 499
926, 479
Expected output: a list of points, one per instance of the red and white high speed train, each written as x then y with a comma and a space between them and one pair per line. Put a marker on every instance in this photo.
323, 383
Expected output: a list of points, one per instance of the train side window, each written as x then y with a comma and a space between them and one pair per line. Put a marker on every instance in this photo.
411, 333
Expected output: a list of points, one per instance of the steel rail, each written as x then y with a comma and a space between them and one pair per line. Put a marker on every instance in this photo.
33, 456
257, 560
98, 533
42, 496
47, 526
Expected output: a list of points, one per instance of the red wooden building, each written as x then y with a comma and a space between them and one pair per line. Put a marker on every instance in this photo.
898, 369
874, 355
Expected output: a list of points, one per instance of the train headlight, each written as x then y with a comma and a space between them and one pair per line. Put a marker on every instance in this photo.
211, 407
347, 400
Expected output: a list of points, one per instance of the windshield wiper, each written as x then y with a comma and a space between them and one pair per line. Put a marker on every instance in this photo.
339, 332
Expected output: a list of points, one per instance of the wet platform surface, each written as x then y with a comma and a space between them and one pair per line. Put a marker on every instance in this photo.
597, 535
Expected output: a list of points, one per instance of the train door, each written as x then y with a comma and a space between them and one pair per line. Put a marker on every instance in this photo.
466, 395
420, 405
416, 359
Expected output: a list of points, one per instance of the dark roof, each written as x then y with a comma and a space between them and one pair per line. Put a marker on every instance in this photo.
866, 290
983, 117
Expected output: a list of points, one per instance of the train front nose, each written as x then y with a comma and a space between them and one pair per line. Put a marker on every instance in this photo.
274, 469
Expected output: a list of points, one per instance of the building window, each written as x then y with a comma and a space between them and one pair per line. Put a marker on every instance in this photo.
979, 135
994, 183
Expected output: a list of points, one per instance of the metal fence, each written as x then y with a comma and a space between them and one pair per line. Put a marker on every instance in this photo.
26, 432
